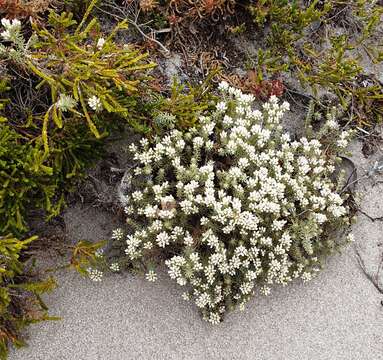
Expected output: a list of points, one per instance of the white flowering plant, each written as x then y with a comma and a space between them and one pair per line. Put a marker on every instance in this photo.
11, 30
235, 204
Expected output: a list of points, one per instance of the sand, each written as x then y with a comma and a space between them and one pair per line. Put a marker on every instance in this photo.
336, 316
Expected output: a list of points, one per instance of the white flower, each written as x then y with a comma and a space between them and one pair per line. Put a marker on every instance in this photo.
117, 234
95, 103
163, 239
202, 300
243, 163
151, 211
99, 253
214, 318
100, 43
332, 124
350, 238
285, 106
306, 276
115, 267
6, 23
12, 29
16, 24
246, 287
6, 35
95, 275
151, 276
13, 25
265, 290
223, 86
198, 141
137, 196
342, 143
128, 210
320, 218
188, 207
221, 106
188, 240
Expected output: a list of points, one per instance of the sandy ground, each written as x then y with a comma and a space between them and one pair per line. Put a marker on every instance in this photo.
336, 316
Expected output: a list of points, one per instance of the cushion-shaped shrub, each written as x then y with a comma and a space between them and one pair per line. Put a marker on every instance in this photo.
234, 204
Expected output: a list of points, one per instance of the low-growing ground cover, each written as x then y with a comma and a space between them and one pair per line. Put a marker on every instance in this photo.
235, 203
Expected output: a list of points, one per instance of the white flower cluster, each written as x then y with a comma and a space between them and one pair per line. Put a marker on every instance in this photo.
95, 275
95, 103
100, 43
115, 267
12, 29
151, 276
238, 202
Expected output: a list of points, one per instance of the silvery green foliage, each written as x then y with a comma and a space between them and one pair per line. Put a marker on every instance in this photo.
165, 120
233, 204
66, 103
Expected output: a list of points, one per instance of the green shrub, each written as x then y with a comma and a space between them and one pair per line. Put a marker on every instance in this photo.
178, 11
182, 107
234, 204
93, 86
298, 42
89, 77
22, 172
88, 87
287, 18
20, 302
31, 180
